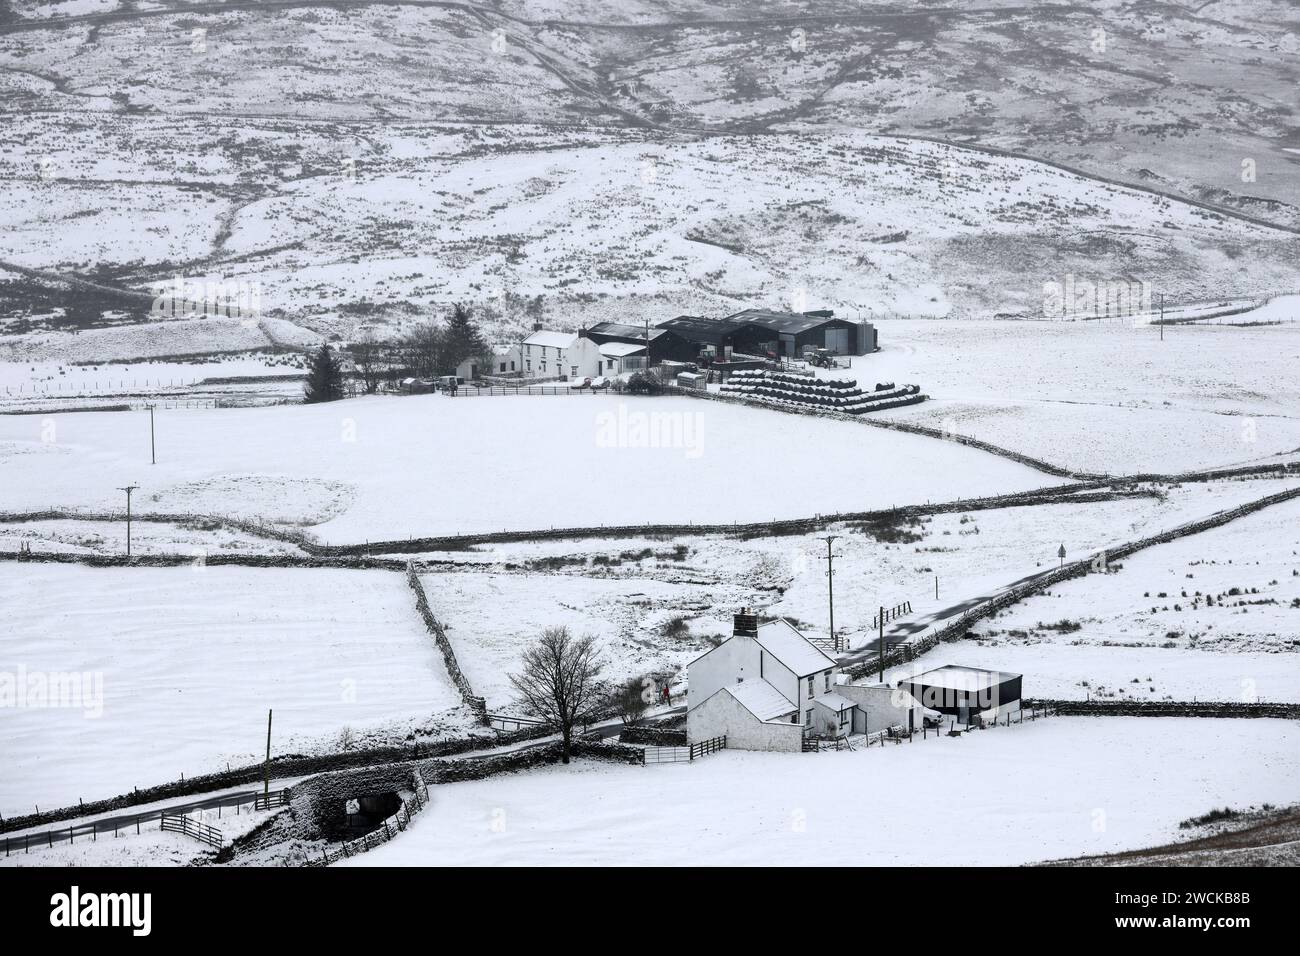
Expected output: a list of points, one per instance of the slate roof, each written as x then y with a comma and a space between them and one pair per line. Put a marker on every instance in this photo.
554, 340
761, 699
780, 639
959, 677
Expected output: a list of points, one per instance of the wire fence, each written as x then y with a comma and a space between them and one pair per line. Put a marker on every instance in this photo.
472, 391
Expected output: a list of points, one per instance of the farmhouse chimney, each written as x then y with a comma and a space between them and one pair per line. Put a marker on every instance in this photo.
537, 326
745, 624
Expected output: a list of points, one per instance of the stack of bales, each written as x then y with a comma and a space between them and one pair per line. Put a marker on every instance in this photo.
825, 394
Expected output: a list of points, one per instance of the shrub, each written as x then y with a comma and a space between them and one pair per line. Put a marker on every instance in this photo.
1214, 816
642, 384
676, 628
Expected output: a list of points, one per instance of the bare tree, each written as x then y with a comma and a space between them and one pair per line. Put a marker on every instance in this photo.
368, 357
559, 680
422, 349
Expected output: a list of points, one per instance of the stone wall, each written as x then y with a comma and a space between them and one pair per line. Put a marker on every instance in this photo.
1167, 708
431, 623
317, 807
957, 629
653, 736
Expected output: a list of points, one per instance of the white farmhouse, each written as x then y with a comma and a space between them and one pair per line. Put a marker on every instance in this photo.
764, 687
566, 355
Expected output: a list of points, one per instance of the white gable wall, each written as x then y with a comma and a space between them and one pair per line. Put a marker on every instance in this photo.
731, 660
721, 714
881, 707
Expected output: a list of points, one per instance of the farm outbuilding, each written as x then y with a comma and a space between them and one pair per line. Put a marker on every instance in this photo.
665, 345
969, 694
787, 334
779, 334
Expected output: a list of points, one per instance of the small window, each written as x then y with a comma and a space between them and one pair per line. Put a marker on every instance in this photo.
573, 370
503, 366
828, 682
807, 719
794, 718
812, 688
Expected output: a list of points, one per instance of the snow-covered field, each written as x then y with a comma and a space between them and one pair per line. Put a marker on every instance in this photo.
188, 662
428, 464
1103, 396
1249, 569
1146, 631
973, 555
1049, 789
492, 618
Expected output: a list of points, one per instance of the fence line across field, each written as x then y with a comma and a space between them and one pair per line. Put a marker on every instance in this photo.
117, 825
472, 391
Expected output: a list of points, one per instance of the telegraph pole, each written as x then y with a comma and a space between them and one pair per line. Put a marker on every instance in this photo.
830, 586
1162, 316
128, 489
881, 621
266, 773
153, 454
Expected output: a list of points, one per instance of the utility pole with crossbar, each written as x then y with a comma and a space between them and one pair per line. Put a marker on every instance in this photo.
128, 489
830, 586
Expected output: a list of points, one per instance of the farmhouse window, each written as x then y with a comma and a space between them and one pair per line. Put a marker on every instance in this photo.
574, 370
828, 682
812, 688
807, 719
